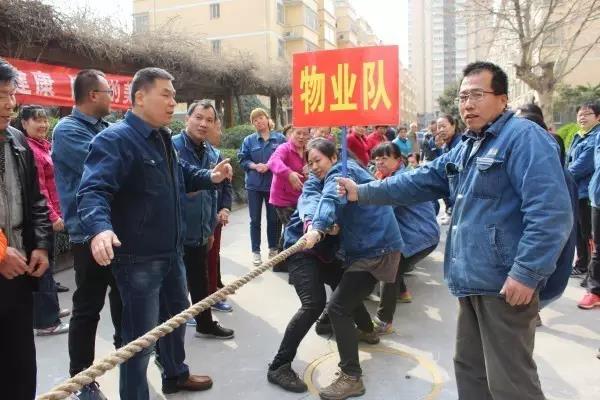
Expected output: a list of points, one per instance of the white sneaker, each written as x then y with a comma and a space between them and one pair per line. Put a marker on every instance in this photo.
256, 260
63, 327
273, 253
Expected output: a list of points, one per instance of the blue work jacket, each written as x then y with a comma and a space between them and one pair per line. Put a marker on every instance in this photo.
404, 145
512, 212
580, 160
129, 187
594, 186
366, 231
256, 150
199, 208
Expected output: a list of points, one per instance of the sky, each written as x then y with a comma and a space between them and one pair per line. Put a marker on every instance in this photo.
388, 18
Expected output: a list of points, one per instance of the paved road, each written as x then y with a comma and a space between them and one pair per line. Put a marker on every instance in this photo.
415, 362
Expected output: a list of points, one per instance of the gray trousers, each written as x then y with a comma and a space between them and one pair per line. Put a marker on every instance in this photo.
494, 350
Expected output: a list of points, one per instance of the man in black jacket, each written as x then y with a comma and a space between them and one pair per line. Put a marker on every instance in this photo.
24, 219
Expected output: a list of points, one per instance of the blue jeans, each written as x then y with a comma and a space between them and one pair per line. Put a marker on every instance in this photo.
45, 298
152, 290
255, 202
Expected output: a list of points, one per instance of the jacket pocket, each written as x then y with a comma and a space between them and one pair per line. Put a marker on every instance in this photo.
452, 174
496, 241
487, 183
154, 177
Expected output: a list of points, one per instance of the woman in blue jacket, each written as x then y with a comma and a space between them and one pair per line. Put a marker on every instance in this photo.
420, 235
371, 242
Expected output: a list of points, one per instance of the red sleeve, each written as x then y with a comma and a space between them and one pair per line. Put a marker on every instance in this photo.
41, 173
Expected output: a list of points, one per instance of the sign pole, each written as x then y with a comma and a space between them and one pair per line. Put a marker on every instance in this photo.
344, 151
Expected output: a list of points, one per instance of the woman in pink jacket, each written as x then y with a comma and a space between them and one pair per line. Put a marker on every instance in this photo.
288, 165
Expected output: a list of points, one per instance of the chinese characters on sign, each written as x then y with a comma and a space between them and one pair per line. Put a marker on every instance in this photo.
52, 85
357, 86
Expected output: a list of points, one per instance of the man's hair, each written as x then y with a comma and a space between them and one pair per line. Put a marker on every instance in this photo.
417, 156
534, 117
203, 104
85, 81
499, 78
595, 107
145, 78
402, 128
433, 121
531, 108
257, 112
8, 73
451, 120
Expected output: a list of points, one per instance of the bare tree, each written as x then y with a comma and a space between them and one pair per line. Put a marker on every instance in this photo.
544, 39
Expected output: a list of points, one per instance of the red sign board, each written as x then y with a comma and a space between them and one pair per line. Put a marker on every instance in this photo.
354, 86
52, 85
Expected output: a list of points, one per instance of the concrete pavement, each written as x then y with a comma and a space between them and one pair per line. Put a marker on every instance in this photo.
415, 362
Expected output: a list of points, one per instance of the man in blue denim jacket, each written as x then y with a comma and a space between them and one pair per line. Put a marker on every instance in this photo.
130, 199
512, 216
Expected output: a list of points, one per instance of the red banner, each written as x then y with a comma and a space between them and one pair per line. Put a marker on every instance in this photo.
354, 86
52, 85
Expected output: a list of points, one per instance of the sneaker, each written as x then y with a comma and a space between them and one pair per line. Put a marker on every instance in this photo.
405, 297
368, 337
215, 331
60, 288
91, 391
222, 306
63, 327
343, 387
323, 325
287, 378
589, 301
382, 327
578, 273
191, 322
256, 260
65, 312
373, 297
273, 252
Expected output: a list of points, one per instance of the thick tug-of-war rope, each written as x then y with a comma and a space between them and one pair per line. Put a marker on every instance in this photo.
126, 352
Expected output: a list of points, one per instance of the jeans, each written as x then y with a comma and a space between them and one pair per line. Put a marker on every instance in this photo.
196, 271
45, 302
308, 275
345, 308
18, 368
91, 281
494, 350
152, 290
391, 291
584, 234
255, 202
593, 278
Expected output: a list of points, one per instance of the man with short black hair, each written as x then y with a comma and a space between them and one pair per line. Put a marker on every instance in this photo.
71, 139
130, 199
512, 217
24, 221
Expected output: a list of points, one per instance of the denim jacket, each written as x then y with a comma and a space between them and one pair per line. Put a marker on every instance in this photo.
365, 231
594, 187
255, 150
418, 227
129, 187
512, 212
70, 144
199, 208
580, 160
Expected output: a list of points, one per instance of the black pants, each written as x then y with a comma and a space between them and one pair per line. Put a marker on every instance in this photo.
584, 234
391, 291
283, 216
196, 271
345, 308
92, 281
17, 347
308, 275
593, 278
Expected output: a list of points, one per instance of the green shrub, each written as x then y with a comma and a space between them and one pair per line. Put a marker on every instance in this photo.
233, 137
239, 192
176, 126
567, 133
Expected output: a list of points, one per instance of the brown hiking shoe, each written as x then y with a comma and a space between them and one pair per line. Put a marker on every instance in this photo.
343, 387
368, 337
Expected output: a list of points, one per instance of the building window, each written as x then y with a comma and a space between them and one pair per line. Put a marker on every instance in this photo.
310, 46
281, 48
216, 47
310, 18
141, 23
329, 33
280, 12
215, 11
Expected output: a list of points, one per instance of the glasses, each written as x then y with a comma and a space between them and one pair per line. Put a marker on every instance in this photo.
587, 114
109, 91
474, 95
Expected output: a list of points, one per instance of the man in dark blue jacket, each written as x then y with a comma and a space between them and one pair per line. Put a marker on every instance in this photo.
200, 212
130, 198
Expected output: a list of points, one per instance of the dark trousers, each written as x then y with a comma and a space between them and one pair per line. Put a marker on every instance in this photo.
391, 291
214, 261
92, 281
196, 271
283, 216
345, 308
308, 275
584, 234
17, 347
494, 350
255, 201
593, 278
